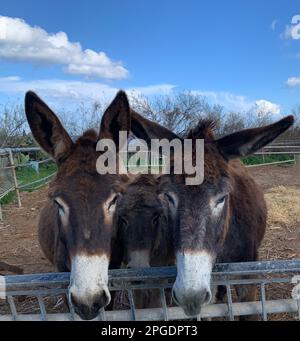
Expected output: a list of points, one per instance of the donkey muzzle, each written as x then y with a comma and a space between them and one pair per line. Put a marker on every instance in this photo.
191, 289
88, 288
88, 310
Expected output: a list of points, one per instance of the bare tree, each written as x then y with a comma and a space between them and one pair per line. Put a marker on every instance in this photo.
12, 125
178, 112
233, 122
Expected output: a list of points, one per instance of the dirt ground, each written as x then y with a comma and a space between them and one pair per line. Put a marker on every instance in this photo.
281, 184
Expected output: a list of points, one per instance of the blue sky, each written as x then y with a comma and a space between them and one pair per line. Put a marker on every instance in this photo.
237, 53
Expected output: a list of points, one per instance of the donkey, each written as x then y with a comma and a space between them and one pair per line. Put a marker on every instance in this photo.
145, 224
224, 218
76, 226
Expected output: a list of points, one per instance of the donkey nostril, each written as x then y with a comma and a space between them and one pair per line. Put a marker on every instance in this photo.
73, 299
101, 300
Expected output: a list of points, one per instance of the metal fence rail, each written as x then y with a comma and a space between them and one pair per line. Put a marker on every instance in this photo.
263, 274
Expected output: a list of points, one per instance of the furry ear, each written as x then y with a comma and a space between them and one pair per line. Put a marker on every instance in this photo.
249, 141
116, 118
147, 130
46, 128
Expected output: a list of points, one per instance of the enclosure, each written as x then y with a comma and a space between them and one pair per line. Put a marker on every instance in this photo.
39, 295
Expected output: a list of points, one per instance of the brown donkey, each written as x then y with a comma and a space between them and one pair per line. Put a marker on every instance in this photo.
76, 226
145, 224
224, 218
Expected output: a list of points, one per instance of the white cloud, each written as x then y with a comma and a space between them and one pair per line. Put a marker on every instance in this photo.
240, 103
229, 100
273, 24
263, 106
293, 81
61, 93
64, 92
21, 42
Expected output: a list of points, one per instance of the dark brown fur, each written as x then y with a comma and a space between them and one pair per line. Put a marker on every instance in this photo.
236, 233
77, 220
145, 226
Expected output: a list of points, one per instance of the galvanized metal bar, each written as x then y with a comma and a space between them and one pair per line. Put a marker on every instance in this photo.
102, 315
278, 153
229, 303
42, 308
37, 181
132, 305
12, 307
270, 163
71, 308
164, 304
14, 282
20, 150
124, 285
263, 301
176, 313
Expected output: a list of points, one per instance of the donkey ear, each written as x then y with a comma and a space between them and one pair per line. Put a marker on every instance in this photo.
249, 141
46, 128
116, 118
147, 130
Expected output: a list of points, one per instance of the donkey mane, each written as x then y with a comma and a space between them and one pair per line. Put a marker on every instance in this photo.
203, 130
82, 156
145, 179
89, 137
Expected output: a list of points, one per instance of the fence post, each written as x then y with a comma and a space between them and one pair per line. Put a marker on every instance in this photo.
12, 163
1, 216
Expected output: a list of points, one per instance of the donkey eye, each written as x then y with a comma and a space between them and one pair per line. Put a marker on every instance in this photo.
221, 200
171, 198
61, 209
114, 201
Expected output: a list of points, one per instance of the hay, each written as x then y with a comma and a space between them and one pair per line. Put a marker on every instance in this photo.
283, 206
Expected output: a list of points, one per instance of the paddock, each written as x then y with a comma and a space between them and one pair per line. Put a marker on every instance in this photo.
19, 246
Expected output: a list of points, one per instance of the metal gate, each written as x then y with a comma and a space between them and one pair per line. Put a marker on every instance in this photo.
278, 285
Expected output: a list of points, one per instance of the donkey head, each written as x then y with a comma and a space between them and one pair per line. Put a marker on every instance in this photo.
203, 211
84, 201
144, 224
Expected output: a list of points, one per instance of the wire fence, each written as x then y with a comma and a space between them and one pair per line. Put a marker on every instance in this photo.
8, 172
268, 276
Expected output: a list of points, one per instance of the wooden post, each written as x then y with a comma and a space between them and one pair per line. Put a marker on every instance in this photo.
1, 216
12, 163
